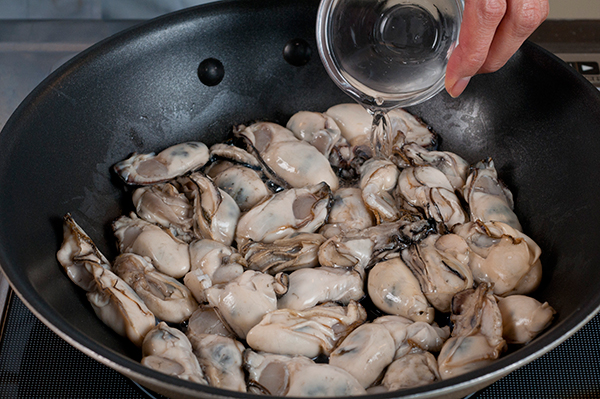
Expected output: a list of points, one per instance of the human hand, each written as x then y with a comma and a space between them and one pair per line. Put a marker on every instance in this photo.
491, 32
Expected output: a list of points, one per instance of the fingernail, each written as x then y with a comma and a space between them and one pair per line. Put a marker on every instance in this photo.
459, 86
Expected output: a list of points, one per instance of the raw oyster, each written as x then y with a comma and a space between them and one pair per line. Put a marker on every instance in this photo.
211, 263
309, 332
370, 348
441, 264
489, 200
166, 297
348, 210
453, 166
297, 376
407, 128
523, 318
168, 254
76, 251
309, 287
166, 349
476, 339
206, 320
235, 155
245, 300
118, 306
164, 205
315, 128
411, 370
411, 335
244, 185
395, 290
295, 161
221, 360
296, 210
113, 301
359, 249
215, 213
365, 353
428, 189
297, 251
378, 177
503, 256
177, 160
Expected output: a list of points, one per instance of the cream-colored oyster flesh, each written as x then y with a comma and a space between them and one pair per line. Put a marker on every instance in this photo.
476, 339
349, 211
207, 320
118, 306
221, 360
295, 161
309, 287
215, 213
502, 256
378, 178
365, 353
164, 205
166, 349
315, 128
142, 169
301, 210
441, 264
395, 290
244, 185
76, 251
308, 332
297, 376
523, 318
168, 254
297, 251
411, 370
245, 300
166, 297
488, 198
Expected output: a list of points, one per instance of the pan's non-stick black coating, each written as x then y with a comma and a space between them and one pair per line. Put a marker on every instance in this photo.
140, 91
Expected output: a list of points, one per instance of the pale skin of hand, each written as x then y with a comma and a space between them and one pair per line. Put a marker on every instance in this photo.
491, 32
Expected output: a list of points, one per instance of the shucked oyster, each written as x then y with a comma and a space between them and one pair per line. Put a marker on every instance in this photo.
174, 161
297, 376
295, 210
315, 128
441, 264
244, 185
215, 212
113, 301
477, 335
221, 360
489, 200
295, 161
378, 177
370, 348
245, 300
299, 250
308, 332
453, 166
523, 318
166, 297
395, 290
164, 205
428, 189
308, 287
168, 254
348, 210
411, 370
503, 256
166, 349
76, 251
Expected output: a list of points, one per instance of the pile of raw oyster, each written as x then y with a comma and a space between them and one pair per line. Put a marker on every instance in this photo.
291, 261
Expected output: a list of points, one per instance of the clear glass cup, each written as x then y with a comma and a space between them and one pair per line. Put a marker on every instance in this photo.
388, 53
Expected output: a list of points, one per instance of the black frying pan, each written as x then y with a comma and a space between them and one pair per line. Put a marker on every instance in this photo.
140, 91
